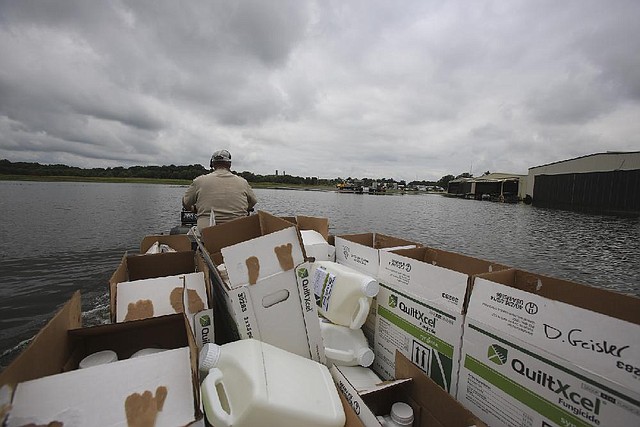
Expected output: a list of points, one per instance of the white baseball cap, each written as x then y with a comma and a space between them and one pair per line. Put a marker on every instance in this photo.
221, 156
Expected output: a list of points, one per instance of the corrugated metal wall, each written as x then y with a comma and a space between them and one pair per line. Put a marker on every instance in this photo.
615, 191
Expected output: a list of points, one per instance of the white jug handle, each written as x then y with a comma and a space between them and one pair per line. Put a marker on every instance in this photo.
361, 315
340, 355
211, 400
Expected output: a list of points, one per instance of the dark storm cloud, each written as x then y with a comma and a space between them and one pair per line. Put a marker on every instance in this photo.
419, 89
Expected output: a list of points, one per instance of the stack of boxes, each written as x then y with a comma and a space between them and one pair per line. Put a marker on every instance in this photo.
462, 340
264, 291
421, 310
47, 385
543, 351
415, 328
514, 348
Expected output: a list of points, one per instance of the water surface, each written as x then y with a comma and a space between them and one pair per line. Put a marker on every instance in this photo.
60, 237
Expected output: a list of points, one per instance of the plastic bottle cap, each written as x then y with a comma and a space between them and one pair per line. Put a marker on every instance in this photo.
370, 287
146, 351
402, 413
209, 356
99, 358
365, 357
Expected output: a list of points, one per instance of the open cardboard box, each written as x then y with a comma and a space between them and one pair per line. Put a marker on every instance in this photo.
420, 310
550, 351
319, 224
161, 296
432, 406
138, 267
45, 374
266, 297
362, 252
314, 232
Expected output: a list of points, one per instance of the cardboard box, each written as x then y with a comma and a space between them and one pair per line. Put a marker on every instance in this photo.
139, 267
315, 235
362, 252
267, 295
161, 296
432, 406
165, 270
420, 310
45, 374
544, 351
303, 222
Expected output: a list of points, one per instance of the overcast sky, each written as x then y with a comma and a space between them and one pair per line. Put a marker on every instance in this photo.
394, 89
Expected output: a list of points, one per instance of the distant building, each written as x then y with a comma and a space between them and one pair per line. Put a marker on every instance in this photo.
504, 187
603, 182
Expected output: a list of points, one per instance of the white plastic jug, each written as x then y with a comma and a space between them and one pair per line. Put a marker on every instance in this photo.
316, 246
343, 294
344, 346
401, 415
251, 383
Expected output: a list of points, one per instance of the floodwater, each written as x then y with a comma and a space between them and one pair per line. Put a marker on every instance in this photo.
61, 237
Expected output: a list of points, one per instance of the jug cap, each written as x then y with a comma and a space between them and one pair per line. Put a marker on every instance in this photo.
365, 357
402, 413
209, 356
98, 358
370, 287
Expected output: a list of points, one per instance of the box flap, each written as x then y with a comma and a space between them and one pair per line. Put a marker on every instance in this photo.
621, 306
600, 343
240, 230
160, 265
351, 418
261, 257
270, 224
432, 398
321, 225
79, 398
453, 261
229, 233
160, 296
365, 239
382, 241
439, 276
52, 340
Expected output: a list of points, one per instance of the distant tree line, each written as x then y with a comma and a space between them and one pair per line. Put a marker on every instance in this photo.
162, 172
288, 179
190, 172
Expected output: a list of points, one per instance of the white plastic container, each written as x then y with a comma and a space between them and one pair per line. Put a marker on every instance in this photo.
401, 416
98, 358
343, 294
251, 383
146, 351
316, 246
344, 346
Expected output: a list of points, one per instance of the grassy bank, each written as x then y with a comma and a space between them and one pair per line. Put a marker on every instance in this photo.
274, 185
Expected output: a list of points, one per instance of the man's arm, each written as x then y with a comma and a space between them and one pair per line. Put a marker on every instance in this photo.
251, 197
189, 198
